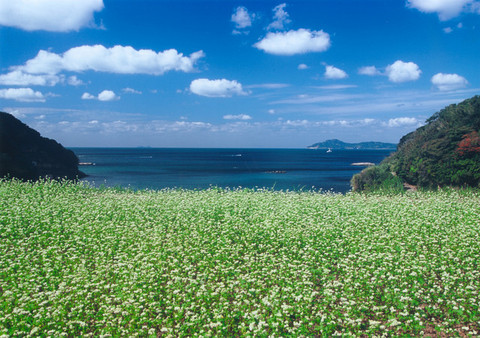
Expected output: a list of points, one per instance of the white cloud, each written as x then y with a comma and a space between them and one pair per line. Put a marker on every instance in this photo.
74, 81
241, 18
446, 9
243, 117
118, 59
367, 121
369, 70
131, 91
107, 95
88, 96
334, 73
49, 15
445, 82
401, 71
294, 42
302, 66
22, 95
280, 17
402, 121
448, 30
19, 78
216, 88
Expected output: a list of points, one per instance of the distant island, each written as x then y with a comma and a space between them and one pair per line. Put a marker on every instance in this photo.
26, 155
340, 145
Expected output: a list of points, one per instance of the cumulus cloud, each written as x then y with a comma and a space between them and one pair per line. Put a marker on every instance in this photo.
19, 78
241, 18
294, 42
22, 95
118, 59
446, 82
445, 9
402, 121
334, 73
237, 117
401, 71
88, 96
74, 81
280, 18
216, 88
106, 95
302, 66
369, 71
49, 15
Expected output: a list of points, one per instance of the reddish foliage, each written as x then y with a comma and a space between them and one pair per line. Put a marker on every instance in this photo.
469, 144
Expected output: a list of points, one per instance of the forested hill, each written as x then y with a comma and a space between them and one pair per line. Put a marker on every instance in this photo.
443, 152
26, 155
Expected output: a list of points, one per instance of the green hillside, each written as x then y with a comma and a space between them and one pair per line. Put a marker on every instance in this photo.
26, 155
443, 152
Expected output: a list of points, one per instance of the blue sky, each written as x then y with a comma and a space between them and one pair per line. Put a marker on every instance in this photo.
194, 73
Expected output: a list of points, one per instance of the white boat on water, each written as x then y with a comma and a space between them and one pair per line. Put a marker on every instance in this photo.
329, 150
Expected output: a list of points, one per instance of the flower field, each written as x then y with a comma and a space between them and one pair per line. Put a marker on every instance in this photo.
76, 260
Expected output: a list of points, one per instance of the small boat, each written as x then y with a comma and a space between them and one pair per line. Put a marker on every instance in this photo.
363, 164
329, 150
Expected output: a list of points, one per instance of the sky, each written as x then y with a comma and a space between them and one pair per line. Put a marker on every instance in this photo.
261, 74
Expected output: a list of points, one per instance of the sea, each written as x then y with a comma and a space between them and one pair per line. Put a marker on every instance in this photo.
275, 169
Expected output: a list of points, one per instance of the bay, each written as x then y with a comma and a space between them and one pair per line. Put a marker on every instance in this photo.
277, 169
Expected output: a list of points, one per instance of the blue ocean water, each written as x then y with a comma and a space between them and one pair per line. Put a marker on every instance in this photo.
278, 169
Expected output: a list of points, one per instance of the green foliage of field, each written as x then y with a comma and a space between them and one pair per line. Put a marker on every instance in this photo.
78, 260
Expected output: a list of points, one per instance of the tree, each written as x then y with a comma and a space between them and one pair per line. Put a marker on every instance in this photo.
469, 145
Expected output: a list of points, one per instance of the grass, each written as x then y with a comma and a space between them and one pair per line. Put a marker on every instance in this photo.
75, 260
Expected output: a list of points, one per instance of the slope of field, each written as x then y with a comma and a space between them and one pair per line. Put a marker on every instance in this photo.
78, 260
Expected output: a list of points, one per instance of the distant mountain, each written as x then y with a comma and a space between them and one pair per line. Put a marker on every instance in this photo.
26, 155
443, 152
339, 145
